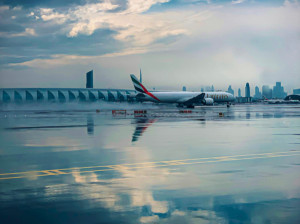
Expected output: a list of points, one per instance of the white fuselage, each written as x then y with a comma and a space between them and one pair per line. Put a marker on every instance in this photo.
181, 97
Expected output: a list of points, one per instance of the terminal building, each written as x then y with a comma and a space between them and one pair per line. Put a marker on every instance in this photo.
88, 94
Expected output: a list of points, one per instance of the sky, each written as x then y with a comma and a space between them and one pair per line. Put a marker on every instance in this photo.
192, 43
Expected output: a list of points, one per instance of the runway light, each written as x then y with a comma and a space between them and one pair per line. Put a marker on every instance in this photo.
185, 111
118, 112
140, 111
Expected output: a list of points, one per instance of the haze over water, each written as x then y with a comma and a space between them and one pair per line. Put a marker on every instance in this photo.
74, 165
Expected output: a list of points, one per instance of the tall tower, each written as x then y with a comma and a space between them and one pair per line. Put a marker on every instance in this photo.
230, 90
239, 92
247, 90
278, 91
89, 79
257, 93
140, 75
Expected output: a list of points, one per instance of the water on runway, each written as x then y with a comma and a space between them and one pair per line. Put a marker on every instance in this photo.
213, 165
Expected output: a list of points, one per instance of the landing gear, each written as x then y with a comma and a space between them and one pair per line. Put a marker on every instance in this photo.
228, 105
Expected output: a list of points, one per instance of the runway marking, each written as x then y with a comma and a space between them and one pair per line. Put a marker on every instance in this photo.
132, 166
53, 172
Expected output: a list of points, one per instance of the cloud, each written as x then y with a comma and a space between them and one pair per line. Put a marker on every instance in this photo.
50, 14
149, 219
139, 6
130, 24
27, 32
4, 8
255, 43
37, 3
237, 2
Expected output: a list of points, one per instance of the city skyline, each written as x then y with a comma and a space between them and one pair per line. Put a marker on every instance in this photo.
253, 87
258, 91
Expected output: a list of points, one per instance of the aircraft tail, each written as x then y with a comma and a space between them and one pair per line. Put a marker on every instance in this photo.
265, 98
137, 85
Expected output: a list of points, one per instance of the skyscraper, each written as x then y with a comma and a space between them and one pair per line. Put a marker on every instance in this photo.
230, 90
266, 92
257, 94
212, 88
239, 93
278, 91
89, 79
247, 90
184, 88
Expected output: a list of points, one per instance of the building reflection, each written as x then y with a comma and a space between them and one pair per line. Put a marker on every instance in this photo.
90, 124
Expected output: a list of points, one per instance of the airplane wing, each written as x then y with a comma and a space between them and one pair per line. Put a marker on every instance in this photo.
195, 99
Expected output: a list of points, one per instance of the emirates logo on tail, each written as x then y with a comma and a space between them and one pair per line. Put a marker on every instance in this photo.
140, 88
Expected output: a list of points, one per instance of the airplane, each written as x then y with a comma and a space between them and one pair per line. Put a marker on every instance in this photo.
182, 98
280, 101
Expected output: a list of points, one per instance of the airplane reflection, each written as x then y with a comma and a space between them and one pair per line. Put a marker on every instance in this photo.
141, 125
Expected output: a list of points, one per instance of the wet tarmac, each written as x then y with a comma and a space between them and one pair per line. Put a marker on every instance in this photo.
211, 165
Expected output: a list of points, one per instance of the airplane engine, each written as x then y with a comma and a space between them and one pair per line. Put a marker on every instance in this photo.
208, 101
